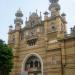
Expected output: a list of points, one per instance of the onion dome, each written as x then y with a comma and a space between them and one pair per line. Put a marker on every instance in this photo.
33, 15
18, 21
46, 13
54, 5
19, 13
19, 16
63, 14
34, 19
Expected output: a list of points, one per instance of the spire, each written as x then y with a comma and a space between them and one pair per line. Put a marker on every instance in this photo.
36, 11
19, 16
40, 15
26, 19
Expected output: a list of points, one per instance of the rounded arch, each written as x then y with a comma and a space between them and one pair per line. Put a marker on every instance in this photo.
27, 57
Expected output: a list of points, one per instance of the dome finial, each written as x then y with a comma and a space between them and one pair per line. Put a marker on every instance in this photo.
53, 1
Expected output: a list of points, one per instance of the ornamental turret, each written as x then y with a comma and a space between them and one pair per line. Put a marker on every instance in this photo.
54, 8
10, 28
46, 15
63, 15
18, 21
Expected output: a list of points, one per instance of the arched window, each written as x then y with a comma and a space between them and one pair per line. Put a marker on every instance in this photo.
33, 65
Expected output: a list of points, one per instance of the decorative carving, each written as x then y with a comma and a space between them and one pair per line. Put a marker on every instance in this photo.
34, 19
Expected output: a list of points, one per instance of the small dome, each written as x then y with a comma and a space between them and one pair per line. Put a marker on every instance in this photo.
18, 20
10, 26
34, 14
56, 5
19, 13
46, 13
63, 14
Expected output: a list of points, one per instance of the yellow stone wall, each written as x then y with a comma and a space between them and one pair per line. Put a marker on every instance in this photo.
56, 51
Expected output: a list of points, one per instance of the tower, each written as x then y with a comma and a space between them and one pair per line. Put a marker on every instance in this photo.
55, 25
14, 40
18, 22
54, 8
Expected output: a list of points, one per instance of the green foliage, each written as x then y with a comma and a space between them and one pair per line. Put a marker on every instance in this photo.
5, 59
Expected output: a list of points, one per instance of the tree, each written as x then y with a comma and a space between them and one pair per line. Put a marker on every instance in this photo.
6, 57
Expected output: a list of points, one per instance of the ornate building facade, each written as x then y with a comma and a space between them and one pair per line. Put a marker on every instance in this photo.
42, 47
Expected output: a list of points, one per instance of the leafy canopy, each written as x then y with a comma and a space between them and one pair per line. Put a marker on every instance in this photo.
5, 58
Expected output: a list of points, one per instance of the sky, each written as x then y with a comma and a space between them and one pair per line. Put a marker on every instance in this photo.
8, 9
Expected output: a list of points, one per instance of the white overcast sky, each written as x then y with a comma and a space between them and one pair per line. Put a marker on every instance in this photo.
9, 7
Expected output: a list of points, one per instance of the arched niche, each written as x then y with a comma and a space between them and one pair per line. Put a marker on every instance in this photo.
32, 65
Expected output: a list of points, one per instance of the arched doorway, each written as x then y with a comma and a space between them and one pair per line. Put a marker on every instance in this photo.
32, 65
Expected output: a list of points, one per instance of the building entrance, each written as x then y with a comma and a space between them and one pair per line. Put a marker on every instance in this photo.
33, 66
